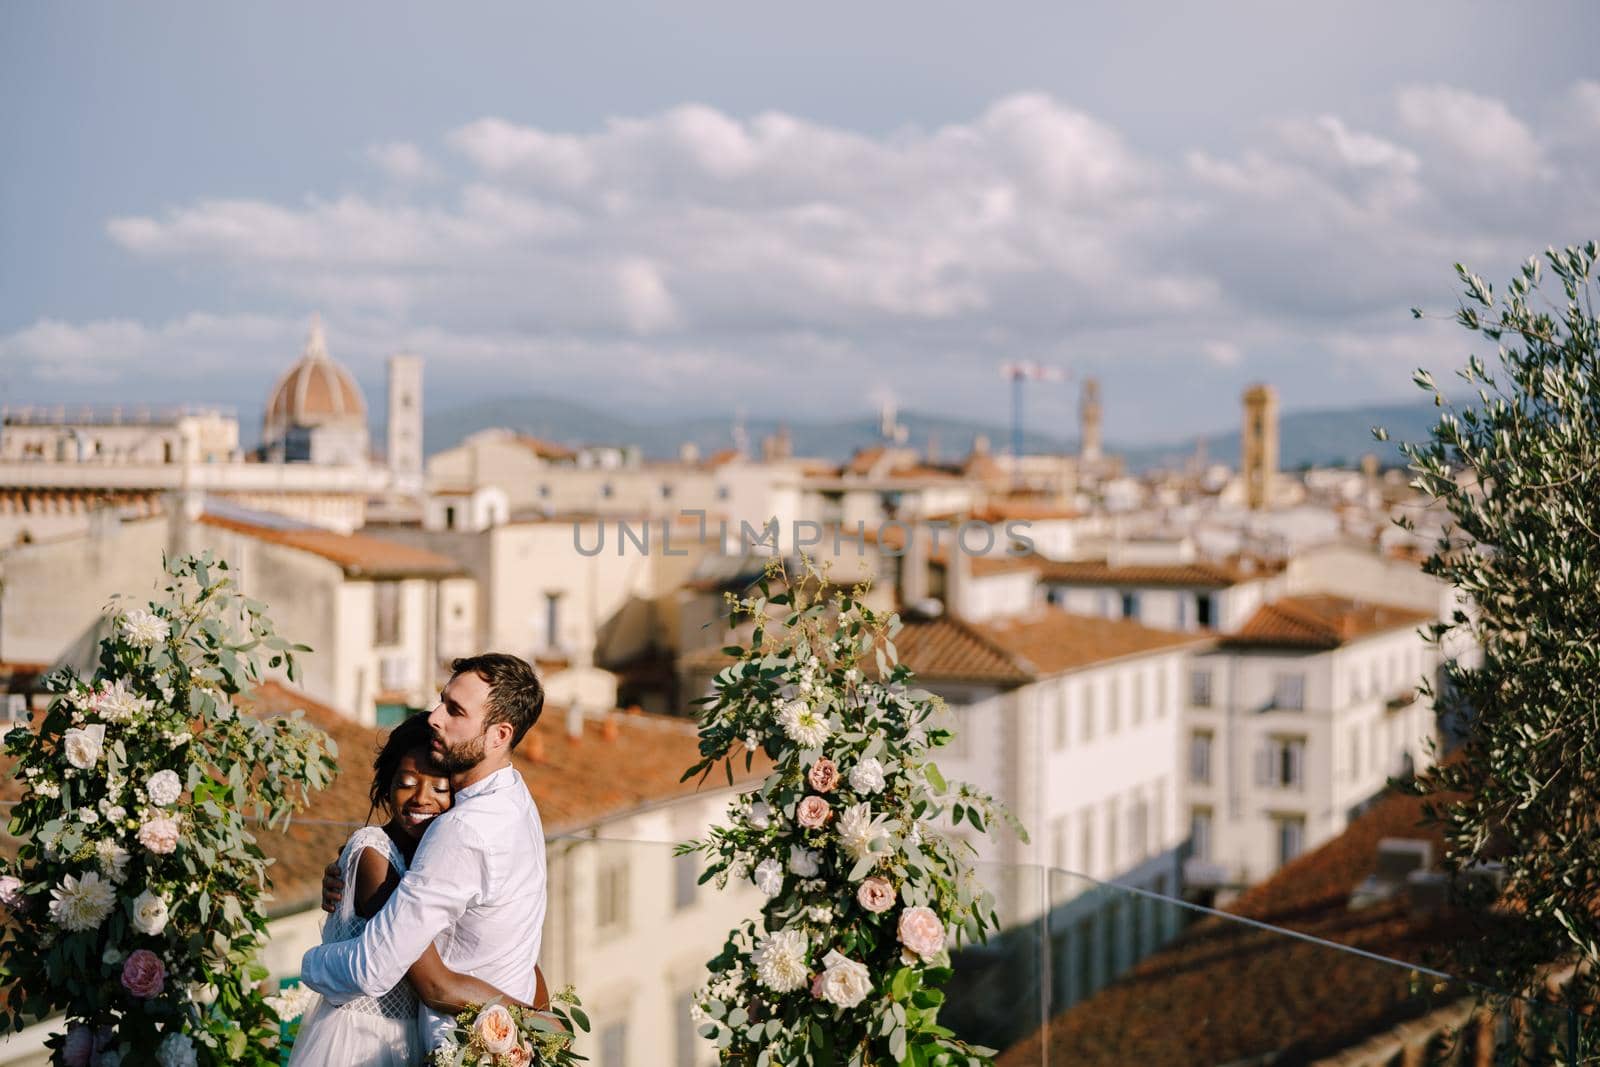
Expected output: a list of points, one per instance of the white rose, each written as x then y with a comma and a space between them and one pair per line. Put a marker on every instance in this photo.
149, 913
769, 877
867, 776
164, 788
116, 813
83, 745
176, 1050
145, 628
760, 815
843, 981
804, 862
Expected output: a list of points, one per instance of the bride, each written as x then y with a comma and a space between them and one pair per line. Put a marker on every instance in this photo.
383, 1031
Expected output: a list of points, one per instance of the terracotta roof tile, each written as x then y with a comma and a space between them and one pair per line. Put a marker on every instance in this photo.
360, 555
1051, 641
951, 649
1202, 574
1320, 621
1225, 992
544, 449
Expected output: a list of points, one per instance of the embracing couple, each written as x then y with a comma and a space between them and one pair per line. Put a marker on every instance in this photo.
442, 906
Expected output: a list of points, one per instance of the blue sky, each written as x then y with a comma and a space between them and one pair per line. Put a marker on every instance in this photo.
708, 205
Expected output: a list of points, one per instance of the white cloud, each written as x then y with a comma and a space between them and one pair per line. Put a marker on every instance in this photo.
696, 242
1472, 131
403, 161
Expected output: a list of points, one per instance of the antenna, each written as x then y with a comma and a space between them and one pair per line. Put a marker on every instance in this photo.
1018, 372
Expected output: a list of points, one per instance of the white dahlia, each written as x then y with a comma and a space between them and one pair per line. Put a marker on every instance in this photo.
803, 724
82, 903
780, 961
145, 628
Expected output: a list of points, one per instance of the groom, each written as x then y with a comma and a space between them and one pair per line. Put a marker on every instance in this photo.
476, 887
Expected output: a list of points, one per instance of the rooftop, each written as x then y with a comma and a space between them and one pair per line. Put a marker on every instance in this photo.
1286, 1000
1198, 574
1321, 621
360, 555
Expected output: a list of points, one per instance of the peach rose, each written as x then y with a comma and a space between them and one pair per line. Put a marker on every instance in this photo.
519, 1056
144, 975
824, 775
160, 835
813, 812
921, 932
876, 895
496, 1030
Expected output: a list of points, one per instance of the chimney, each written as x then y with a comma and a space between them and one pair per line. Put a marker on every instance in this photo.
957, 579
914, 566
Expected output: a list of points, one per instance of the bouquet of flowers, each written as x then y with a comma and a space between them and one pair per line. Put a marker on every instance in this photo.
497, 1035
135, 900
844, 838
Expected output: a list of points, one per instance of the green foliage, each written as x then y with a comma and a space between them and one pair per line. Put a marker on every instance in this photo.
155, 742
1517, 468
843, 838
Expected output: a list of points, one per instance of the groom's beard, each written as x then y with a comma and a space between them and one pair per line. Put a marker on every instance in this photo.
460, 758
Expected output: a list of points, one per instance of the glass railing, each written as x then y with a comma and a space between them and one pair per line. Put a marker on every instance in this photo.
1083, 972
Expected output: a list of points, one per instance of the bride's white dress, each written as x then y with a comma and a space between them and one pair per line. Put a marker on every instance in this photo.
367, 1032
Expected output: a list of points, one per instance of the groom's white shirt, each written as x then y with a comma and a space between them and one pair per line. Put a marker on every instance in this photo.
476, 889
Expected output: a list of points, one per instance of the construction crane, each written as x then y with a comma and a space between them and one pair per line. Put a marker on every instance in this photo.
1019, 371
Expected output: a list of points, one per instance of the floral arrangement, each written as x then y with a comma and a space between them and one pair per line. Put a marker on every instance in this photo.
845, 964
497, 1035
134, 904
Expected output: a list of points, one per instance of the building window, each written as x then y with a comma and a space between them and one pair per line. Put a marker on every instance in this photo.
1058, 843
544, 492
614, 1044
1138, 826
1159, 823
723, 492
1283, 761
1086, 842
1113, 817
450, 517
1200, 833
685, 881
1130, 605
1200, 689
1083, 958
1113, 706
1161, 693
386, 613
607, 490
1200, 757
1204, 612
687, 1043
611, 895
666, 490
1355, 752
1291, 837
1289, 692
1088, 711
552, 620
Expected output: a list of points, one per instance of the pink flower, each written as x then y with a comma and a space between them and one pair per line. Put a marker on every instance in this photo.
824, 775
813, 812
816, 985
11, 892
160, 835
79, 1048
876, 895
517, 1057
496, 1030
144, 975
921, 933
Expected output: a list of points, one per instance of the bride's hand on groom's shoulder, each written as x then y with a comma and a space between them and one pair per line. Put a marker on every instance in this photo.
332, 887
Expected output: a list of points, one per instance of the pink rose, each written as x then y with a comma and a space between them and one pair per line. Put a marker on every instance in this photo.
813, 812
144, 975
876, 895
519, 1056
10, 892
921, 933
496, 1030
79, 1048
160, 835
816, 985
824, 775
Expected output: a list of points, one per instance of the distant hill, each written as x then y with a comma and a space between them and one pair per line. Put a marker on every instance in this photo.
1306, 437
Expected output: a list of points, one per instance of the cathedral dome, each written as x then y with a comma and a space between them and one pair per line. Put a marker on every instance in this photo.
315, 392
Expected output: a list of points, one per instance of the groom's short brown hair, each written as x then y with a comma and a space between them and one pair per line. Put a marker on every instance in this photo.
515, 695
